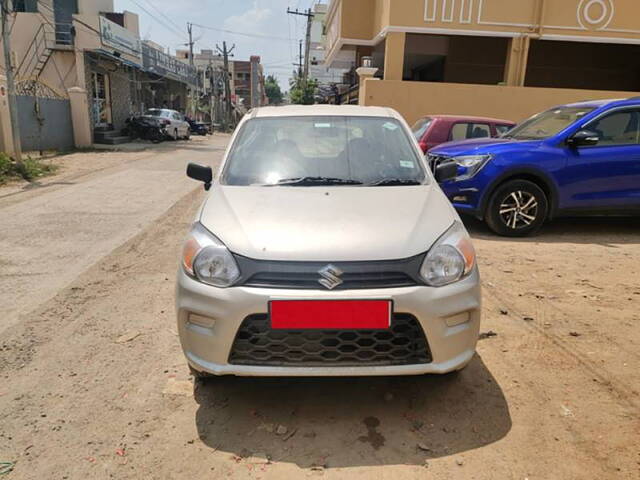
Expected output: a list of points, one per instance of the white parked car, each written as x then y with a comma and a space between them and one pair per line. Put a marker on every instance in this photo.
325, 248
173, 122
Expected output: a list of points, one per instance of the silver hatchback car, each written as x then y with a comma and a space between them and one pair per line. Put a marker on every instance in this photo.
326, 248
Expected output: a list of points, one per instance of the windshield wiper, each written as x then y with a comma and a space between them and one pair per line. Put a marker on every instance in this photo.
310, 181
390, 182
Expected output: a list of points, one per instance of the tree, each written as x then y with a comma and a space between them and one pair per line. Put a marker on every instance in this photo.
272, 88
303, 93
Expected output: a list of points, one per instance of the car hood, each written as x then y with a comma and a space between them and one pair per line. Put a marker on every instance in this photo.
484, 145
327, 223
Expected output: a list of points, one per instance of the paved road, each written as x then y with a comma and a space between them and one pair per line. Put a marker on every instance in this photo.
47, 239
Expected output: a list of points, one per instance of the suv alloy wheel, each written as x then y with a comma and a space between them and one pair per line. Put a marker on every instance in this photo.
517, 209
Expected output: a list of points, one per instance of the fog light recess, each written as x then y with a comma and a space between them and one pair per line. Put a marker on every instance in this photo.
458, 319
201, 321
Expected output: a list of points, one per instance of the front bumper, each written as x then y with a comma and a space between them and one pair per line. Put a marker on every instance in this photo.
449, 316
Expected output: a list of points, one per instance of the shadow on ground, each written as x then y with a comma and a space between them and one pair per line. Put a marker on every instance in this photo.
591, 230
346, 422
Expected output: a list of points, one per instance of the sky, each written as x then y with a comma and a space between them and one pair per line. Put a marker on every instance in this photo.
261, 27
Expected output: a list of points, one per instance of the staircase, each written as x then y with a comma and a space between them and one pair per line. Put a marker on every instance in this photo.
109, 137
48, 38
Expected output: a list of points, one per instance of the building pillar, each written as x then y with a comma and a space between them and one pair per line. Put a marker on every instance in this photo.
6, 134
366, 74
394, 56
80, 117
515, 71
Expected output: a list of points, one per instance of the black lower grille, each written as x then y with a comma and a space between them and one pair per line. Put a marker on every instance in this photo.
257, 344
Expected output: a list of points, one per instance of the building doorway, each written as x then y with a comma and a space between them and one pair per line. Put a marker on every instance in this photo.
101, 99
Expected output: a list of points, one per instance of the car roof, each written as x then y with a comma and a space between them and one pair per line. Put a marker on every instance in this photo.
470, 118
324, 110
603, 103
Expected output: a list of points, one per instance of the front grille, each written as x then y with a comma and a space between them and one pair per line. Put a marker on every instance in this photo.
435, 160
306, 275
355, 280
256, 344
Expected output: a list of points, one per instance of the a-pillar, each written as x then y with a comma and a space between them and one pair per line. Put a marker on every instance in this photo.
394, 55
515, 71
80, 117
366, 74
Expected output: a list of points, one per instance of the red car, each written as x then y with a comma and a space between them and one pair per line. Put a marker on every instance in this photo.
436, 129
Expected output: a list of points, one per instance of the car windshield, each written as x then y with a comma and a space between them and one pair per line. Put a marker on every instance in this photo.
548, 124
156, 112
421, 127
308, 151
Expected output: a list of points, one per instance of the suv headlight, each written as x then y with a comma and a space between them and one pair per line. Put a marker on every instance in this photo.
451, 258
208, 260
472, 163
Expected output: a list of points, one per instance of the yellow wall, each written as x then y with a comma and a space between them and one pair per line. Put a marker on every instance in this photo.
417, 99
618, 20
358, 19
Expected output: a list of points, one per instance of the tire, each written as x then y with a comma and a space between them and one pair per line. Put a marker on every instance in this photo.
517, 208
155, 136
188, 135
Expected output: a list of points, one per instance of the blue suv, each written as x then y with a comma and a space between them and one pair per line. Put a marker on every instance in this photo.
576, 159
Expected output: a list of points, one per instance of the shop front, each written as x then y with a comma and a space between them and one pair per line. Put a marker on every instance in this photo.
111, 74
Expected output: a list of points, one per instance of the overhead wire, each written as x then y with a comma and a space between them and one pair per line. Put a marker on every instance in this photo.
244, 34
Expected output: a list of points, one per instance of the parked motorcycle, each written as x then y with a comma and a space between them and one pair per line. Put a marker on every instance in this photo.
197, 128
145, 128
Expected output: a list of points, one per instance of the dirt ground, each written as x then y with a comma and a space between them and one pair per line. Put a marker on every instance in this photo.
94, 384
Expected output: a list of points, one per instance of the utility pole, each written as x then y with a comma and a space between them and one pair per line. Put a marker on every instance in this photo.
191, 64
309, 15
299, 64
226, 53
11, 87
211, 90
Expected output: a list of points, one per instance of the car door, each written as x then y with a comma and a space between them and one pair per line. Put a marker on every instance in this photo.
605, 175
182, 124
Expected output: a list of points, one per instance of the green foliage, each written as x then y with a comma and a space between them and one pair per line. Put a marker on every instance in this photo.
6, 167
29, 169
272, 88
302, 93
32, 169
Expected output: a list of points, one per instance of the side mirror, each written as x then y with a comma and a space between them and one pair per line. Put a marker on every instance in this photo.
446, 171
583, 138
200, 173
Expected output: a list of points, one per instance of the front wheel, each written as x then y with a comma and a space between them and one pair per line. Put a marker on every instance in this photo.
517, 209
188, 135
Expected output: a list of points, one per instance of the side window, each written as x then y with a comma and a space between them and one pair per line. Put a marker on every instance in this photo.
619, 128
502, 129
459, 131
480, 130
462, 131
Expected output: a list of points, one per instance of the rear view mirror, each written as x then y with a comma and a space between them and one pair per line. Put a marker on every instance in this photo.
200, 173
583, 138
446, 171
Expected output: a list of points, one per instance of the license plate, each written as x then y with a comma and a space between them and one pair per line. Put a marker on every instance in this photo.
330, 314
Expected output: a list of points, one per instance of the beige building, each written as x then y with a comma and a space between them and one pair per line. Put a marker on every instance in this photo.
502, 58
81, 70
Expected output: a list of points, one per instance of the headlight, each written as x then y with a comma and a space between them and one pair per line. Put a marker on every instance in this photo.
208, 260
450, 259
472, 163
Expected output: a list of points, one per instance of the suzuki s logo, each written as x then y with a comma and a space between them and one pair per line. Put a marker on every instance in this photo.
330, 277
